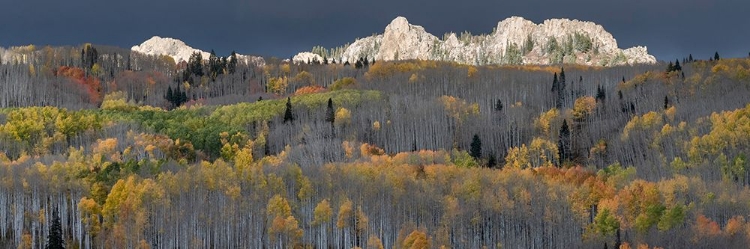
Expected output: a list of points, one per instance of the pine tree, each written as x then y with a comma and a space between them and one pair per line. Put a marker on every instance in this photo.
288, 116
666, 102
195, 64
677, 66
716, 56
601, 95
499, 106
492, 161
563, 143
232, 64
555, 83
690, 58
330, 113
670, 67
476, 147
54, 238
170, 95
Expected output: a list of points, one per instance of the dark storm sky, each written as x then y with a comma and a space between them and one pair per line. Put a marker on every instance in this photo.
670, 28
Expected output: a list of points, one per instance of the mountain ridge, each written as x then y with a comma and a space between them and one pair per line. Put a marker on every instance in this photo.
180, 51
514, 40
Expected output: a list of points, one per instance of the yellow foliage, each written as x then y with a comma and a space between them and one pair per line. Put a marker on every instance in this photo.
278, 85
648, 121
376, 125
545, 119
304, 78
583, 107
322, 213
518, 157
472, 70
345, 214
346, 82
117, 101
417, 240
458, 108
343, 116
348, 149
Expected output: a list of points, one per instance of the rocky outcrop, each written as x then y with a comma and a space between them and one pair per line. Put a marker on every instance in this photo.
515, 40
180, 51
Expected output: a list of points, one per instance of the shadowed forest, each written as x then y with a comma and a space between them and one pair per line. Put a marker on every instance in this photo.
104, 148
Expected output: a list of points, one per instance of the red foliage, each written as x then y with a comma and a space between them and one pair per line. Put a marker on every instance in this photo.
92, 84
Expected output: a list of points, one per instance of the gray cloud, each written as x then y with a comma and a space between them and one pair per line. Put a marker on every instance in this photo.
670, 28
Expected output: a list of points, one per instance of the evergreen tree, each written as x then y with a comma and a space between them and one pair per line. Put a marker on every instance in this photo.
563, 143
170, 95
601, 95
54, 238
562, 79
476, 147
666, 102
677, 66
690, 58
232, 64
288, 116
214, 65
499, 106
670, 67
325, 60
492, 161
330, 113
555, 83
358, 64
195, 64
716, 56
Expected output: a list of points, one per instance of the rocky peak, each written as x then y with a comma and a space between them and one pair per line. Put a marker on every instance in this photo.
514, 41
175, 48
180, 51
403, 41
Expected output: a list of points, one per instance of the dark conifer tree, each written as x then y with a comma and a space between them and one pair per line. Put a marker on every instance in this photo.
555, 83
288, 116
232, 64
716, 56
499, 105
330, 112
677, 66
563, 143
195, 64
492, 161
476, 147
666, 102
54, 238
690, 58
170, 95
670, 67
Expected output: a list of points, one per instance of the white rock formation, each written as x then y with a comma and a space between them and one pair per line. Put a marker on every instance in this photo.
180, 51
514, 41
306, 57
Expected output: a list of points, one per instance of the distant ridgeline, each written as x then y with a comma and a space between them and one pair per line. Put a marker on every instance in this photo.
170, 147
515, 41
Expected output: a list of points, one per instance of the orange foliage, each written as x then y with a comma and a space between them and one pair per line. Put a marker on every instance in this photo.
92, 84
309, 90
705, 227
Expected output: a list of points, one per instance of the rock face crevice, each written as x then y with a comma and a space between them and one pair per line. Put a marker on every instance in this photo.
515, 40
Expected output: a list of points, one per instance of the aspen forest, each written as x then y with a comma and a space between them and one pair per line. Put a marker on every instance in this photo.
122, 150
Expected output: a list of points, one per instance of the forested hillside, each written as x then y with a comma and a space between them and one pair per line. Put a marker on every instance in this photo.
105, 148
